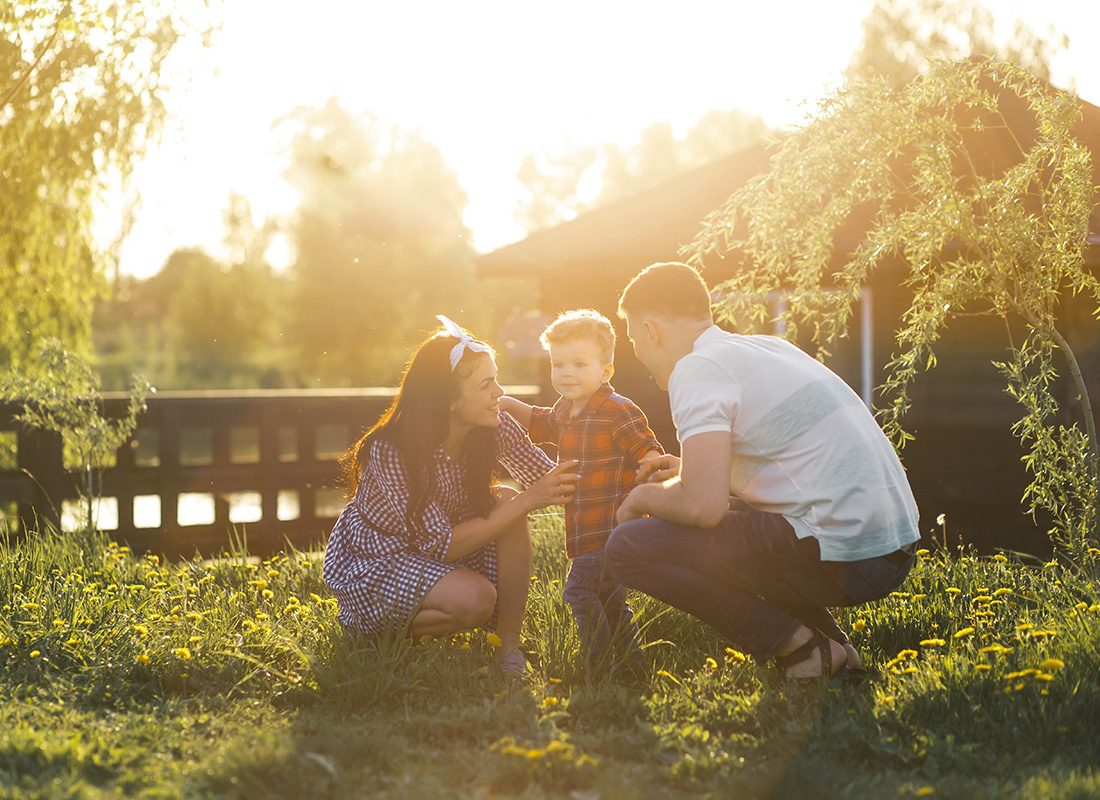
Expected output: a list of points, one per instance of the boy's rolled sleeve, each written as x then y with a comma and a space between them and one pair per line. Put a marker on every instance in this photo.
633, 436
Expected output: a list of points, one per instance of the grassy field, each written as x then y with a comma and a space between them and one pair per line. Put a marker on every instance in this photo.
121, 675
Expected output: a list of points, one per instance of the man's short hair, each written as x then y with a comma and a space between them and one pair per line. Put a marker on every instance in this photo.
582, 323
669, 289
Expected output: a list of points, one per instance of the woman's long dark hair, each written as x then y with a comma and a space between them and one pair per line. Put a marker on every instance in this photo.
417, 423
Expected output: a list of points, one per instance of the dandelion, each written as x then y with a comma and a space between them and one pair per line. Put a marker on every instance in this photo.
59, 623
550, 702
553, 680
535, 754
859, 625
953, 590
1002, 590
922, 552
586, 760
735, 655
183, 654
267, 594
1052, 664
493, 639
29, 606
316, 598
142, 658
1000, 559
1024, 626
711, 664
260, 583
273, 573
924, 791
35, 653
932, 642
195, 639
964, 633
995, 649
982, 668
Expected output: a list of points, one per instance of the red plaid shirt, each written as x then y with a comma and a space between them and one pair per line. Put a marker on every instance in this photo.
606, 439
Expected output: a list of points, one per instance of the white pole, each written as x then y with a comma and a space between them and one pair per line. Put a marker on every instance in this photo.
866, 347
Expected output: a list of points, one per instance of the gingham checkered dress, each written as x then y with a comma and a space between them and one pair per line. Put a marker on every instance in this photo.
380, 571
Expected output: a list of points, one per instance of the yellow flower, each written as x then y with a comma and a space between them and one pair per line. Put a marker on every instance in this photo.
267, 594
995, 649
735, 655
859, 625
535, 755
1024, 626
952, 590
964, 633
982, 668
553, 680
258, 584
924, 791
907, 654
932, 642
711, 664
1000, 559
142, 658
922, 552
550, 702
493, 639
30, 606
59, 623
273, 573
1002, 590
1053, 664
183, 654
586, 760
35, 653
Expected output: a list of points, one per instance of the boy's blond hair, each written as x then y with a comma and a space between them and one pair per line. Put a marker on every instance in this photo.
582, 323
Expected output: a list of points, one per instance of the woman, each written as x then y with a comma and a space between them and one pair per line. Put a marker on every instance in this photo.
426, 546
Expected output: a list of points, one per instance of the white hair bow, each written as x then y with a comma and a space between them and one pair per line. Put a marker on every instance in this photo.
465, 341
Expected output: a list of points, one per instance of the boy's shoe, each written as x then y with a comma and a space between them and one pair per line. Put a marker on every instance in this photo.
512, 664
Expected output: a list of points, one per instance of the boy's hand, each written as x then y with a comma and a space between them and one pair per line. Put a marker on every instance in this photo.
656, 468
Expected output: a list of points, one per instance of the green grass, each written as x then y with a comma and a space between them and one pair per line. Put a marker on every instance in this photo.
122, 675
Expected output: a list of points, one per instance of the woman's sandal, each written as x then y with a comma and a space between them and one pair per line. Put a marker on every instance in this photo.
825, 653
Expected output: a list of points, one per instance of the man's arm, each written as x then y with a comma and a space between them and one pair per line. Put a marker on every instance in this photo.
699, 496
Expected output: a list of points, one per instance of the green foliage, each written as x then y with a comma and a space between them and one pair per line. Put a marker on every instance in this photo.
984, 687
79, 101
973, 234
64, 397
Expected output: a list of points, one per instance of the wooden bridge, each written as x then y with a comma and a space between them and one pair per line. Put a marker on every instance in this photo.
200, 466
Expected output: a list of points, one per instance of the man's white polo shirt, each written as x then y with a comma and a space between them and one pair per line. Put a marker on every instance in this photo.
803, 443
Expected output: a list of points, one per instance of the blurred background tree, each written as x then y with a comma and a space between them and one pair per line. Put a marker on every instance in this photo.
558, 187
901, 38
79, 101
381, 246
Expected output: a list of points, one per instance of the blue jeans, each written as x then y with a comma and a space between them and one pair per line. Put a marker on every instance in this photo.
598, 603
750, 578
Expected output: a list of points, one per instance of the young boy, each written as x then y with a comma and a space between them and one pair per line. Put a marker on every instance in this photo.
608, 436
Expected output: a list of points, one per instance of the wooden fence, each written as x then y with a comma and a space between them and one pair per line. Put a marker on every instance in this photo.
200, 466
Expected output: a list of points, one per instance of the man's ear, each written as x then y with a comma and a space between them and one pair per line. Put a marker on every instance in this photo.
608, 372
653, 332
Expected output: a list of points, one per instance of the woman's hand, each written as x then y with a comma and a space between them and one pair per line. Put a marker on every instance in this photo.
660, 468
555, 488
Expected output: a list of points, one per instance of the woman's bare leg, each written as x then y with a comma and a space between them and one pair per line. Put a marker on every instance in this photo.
513, 581
459, 601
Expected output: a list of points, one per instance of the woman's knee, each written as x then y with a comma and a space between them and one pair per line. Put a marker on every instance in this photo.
474, 606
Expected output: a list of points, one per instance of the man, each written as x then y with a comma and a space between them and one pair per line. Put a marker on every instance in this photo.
787, 497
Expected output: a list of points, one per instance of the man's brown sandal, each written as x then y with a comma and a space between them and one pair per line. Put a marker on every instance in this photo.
825, 653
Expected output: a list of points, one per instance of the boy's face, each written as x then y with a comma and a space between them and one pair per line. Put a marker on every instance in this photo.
578, 369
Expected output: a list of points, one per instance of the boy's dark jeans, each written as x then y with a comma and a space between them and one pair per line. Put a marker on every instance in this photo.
598, 602
750, 578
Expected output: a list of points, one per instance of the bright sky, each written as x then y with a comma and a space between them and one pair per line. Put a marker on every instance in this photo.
488, 82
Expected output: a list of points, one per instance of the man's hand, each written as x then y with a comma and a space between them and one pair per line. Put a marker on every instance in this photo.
657, 469
630, 508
